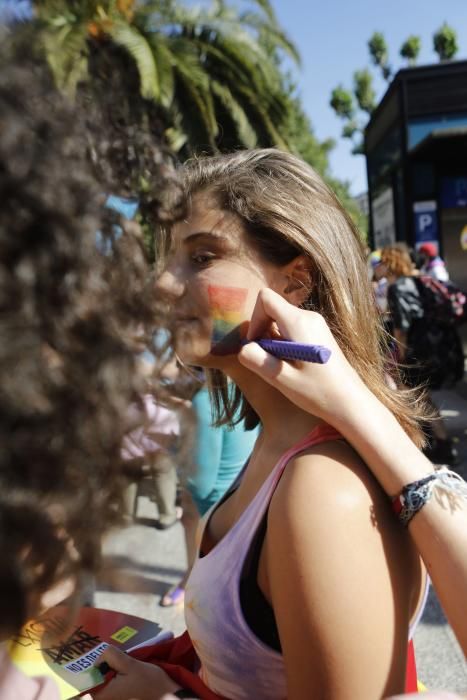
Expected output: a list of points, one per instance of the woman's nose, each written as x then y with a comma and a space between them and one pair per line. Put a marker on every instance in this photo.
170, 284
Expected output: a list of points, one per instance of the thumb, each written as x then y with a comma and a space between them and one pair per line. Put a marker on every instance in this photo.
117, 660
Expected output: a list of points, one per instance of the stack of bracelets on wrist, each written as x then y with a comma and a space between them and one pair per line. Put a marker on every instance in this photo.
414, 496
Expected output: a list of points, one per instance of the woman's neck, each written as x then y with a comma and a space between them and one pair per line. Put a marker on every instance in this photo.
283, 422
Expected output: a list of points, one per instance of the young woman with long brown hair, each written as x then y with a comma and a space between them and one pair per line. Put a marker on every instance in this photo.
306, 585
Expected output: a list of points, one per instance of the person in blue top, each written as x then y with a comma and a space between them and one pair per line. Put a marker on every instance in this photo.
220, 454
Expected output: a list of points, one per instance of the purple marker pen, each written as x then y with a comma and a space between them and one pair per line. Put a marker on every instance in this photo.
290, 350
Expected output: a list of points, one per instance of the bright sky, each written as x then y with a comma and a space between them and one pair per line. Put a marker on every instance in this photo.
332, 36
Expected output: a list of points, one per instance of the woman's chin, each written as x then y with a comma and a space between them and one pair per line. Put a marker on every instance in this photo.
207, 359
192, 353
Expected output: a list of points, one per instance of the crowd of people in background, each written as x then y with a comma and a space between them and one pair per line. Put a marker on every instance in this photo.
417, 310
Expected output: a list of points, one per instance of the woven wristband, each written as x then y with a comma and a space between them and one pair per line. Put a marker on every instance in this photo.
414, 496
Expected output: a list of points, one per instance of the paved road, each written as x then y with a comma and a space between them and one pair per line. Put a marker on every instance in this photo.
151, 560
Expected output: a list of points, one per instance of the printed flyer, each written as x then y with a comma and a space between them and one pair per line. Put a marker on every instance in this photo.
66, 646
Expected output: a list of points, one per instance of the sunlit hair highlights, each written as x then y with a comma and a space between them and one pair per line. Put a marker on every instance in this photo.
286, 210
397, 260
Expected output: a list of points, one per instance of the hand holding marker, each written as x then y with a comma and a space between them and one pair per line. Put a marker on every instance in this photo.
289, 350
227, 309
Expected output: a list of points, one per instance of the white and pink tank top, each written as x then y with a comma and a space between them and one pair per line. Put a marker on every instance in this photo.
233, 659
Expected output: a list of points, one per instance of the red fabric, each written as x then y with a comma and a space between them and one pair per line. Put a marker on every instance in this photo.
178, 659
397, 504
411, 672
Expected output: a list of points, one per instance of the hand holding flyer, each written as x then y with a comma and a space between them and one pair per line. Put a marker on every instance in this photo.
67, 651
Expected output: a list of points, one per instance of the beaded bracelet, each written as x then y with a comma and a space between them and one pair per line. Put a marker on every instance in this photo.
413, 497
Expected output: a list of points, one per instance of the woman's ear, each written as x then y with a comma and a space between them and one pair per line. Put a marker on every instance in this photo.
298, 284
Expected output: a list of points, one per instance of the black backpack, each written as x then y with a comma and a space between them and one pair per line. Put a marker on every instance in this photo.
442, 302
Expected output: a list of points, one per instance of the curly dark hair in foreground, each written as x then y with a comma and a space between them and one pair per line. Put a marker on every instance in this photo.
69, 316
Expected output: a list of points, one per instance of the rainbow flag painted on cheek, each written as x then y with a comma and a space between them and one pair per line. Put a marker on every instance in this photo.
227, 306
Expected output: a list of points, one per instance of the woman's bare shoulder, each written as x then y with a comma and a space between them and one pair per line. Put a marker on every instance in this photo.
330, 483
334, 558
333, 471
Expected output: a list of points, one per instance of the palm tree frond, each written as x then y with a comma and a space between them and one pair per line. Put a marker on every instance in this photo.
272, 33
213, 71
267, 8
197, 91
67, 55
254, 65
137, 46
165, 63
269, 128
246, 133
176, 138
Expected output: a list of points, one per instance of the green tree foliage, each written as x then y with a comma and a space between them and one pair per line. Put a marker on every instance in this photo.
379, 54
209, 77
303, 140
445, 42
363, 90
342, 102
350, 129
347, 104
305, 144
203, 67
410, 49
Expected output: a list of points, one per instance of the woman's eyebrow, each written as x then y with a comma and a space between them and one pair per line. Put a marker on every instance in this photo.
200, 235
